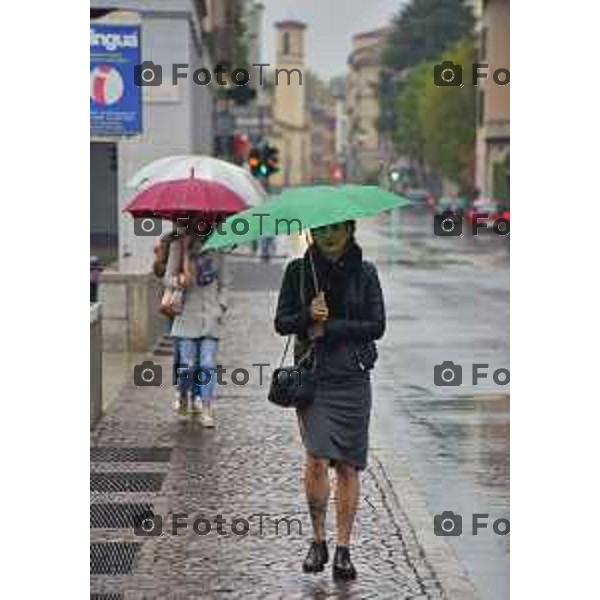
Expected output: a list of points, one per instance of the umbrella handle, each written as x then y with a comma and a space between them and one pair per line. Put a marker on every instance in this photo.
312, 264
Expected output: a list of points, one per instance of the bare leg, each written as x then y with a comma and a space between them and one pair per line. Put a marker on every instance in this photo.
316, 485
348, 486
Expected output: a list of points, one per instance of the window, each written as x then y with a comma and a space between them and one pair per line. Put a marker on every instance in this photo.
286, 43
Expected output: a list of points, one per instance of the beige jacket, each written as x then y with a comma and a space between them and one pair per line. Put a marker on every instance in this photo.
206, 298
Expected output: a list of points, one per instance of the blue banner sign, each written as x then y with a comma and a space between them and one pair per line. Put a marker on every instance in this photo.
115, 100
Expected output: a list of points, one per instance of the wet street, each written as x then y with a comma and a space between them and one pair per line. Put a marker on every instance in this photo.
447, 299
434, 449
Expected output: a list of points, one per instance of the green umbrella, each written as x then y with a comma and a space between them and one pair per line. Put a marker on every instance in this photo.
298, 209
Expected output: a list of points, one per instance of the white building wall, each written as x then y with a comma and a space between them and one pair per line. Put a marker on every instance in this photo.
176, 119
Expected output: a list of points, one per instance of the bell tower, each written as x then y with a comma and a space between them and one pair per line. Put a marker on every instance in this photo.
289, 106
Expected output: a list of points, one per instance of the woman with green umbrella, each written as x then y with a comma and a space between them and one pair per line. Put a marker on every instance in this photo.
340, 312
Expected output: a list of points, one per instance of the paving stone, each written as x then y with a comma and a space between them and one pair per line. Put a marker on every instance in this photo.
250, 464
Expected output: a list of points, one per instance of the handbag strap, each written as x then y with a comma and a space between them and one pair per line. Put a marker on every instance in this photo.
303, 302
287, 345
313, 270
301, 359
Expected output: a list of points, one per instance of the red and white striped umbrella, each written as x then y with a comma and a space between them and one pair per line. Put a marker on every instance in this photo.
212, 173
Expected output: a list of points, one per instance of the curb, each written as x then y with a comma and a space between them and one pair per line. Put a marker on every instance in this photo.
407, 504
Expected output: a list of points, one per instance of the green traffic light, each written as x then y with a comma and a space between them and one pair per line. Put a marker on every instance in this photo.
263, 169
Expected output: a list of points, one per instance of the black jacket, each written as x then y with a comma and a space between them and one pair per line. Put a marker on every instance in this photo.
356, 309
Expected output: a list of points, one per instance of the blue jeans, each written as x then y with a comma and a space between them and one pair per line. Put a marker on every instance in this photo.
176, 359
196, 366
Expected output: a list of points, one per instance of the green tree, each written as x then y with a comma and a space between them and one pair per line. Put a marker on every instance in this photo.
409, 135
448, 121
422, 30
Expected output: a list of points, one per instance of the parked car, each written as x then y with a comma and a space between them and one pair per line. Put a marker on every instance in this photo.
488, 211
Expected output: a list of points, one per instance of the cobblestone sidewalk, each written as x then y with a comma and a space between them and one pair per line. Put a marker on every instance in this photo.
146, 461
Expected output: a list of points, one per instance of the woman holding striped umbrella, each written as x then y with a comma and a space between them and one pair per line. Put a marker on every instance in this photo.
195, 192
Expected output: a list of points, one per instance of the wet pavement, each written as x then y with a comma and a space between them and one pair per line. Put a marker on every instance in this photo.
433, 449
116, 367
448, 299
251, 464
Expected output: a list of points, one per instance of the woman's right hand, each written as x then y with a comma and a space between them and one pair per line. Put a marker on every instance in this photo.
318, 308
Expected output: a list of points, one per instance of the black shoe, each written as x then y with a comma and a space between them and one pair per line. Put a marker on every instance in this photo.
316, 557
342, 565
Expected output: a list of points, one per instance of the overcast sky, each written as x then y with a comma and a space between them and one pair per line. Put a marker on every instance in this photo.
331, 24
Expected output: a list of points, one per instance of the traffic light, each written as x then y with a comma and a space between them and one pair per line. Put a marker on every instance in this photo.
254, 162
263, 161
271, 159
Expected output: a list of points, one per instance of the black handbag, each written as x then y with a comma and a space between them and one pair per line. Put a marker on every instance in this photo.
294, 387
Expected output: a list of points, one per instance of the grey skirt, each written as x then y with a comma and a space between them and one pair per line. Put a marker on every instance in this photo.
336, 424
